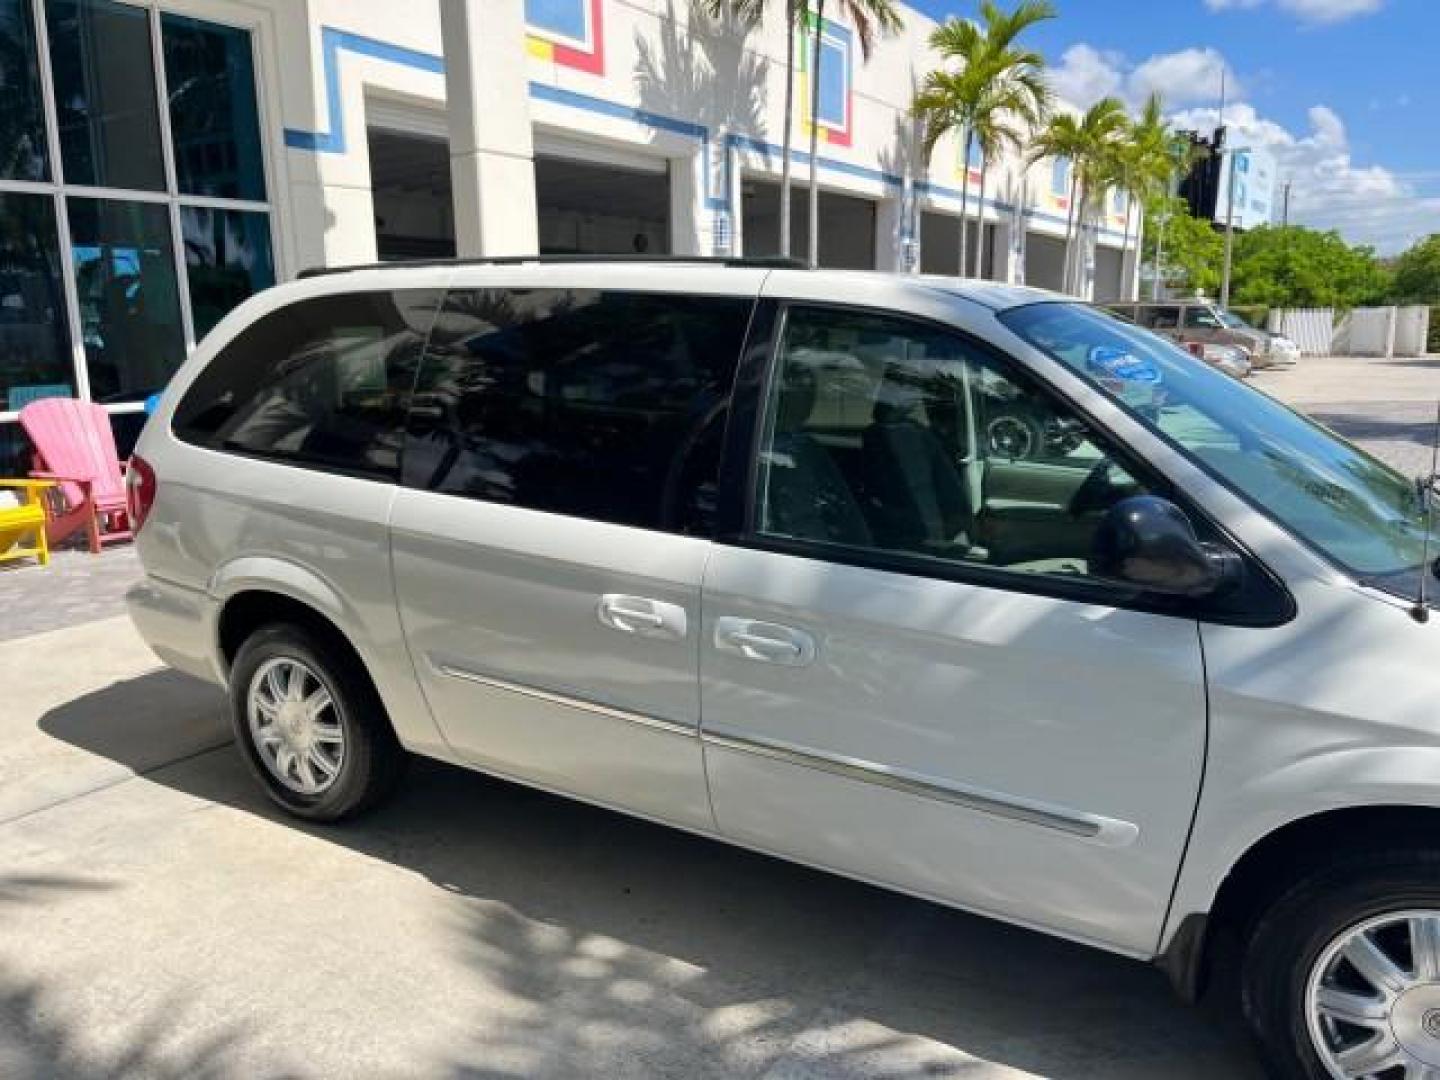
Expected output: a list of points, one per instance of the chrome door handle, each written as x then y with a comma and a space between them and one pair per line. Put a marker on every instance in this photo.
767, 643
763, 644
642, 616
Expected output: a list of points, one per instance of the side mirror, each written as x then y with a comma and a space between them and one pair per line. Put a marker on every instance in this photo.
1148, 542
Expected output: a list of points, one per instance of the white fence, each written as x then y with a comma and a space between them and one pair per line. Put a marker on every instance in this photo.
1313, 329
1378, 331
1412, 330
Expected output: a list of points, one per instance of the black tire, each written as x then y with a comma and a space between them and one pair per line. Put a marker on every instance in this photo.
1291, 935
373, 759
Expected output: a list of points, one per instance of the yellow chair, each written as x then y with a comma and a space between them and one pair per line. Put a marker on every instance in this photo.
25, 522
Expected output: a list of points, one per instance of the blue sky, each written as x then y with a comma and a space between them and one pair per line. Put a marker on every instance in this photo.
1346, 93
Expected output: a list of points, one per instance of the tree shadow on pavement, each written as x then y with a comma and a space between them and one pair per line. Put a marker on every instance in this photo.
38, 1040
1367, 426
631, 949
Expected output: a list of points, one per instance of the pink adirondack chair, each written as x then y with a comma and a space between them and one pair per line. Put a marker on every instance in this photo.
75, 447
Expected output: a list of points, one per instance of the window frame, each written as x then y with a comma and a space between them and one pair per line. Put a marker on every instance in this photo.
395, 479
1189, 320
727, 403
59, 190
1263, 600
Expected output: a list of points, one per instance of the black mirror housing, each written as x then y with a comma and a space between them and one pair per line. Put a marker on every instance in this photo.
1148, 542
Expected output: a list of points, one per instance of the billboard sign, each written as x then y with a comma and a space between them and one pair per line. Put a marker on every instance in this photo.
1254, 188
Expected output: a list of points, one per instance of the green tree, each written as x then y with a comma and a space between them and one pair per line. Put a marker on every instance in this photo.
1090, 142
1143, 165
868, 17
991, 93
1300, 267
1417, 273
1193, 249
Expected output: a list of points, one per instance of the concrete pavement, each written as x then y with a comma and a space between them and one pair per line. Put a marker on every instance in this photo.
1386, 406
157, 918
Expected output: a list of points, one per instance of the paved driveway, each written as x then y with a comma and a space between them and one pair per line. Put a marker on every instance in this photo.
158, 919
1387, 406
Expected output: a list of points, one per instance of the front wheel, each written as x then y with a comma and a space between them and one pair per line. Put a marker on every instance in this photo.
1341, 976
310, 724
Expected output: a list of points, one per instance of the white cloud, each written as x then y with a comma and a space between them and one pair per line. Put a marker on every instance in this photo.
1085, 75
1318, 11
1368, 204
1184, 77
1187, 77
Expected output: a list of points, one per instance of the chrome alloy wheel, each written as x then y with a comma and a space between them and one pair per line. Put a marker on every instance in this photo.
294, 726
1372, 1000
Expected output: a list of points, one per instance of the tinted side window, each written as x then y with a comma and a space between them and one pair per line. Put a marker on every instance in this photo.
324, 382
602, 405
1160, 318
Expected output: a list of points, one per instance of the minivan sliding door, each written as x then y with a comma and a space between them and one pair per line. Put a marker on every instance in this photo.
560, 476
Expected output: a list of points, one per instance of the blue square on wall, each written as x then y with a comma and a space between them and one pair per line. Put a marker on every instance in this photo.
563, 18
834, 82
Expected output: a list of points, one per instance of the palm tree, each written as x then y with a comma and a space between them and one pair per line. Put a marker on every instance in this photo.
1088, 143
1061, 140
1143, 164
867, 17
990, 83
1005, 119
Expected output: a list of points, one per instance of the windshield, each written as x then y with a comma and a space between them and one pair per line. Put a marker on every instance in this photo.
1354, 509
1230, 320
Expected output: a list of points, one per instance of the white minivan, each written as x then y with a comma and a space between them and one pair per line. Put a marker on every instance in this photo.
966, 590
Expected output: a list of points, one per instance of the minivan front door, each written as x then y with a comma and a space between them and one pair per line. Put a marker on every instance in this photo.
549, 541
892, 688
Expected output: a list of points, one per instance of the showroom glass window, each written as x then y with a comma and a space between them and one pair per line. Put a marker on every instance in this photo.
134, 209
129, 303
23, 151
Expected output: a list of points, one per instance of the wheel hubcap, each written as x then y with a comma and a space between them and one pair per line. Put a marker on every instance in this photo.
294, 726
1373, 999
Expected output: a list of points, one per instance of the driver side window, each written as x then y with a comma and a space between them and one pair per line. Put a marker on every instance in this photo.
890, 435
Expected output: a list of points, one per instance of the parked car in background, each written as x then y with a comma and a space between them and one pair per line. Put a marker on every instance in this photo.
968, 590
1231, 359
1204, 322
1285, 350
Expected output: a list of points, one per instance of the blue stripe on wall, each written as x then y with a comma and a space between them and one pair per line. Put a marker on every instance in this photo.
332, 140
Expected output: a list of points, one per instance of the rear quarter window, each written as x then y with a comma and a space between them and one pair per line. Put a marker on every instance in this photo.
323, 383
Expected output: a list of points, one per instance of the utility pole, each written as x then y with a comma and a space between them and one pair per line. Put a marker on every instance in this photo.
1285, 237
1160, 248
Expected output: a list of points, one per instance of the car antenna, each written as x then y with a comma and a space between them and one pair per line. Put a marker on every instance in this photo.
1421, 611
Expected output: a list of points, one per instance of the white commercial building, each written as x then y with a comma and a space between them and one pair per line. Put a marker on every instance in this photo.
160, 161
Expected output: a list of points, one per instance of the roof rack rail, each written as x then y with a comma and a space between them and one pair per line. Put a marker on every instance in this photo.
763, 262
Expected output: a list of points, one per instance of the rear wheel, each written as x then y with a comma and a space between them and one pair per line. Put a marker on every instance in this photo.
1342, 973
310, 724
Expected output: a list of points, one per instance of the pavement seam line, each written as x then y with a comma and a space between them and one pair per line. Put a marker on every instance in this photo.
117, 782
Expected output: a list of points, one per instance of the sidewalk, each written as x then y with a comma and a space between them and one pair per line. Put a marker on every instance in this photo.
75, 588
